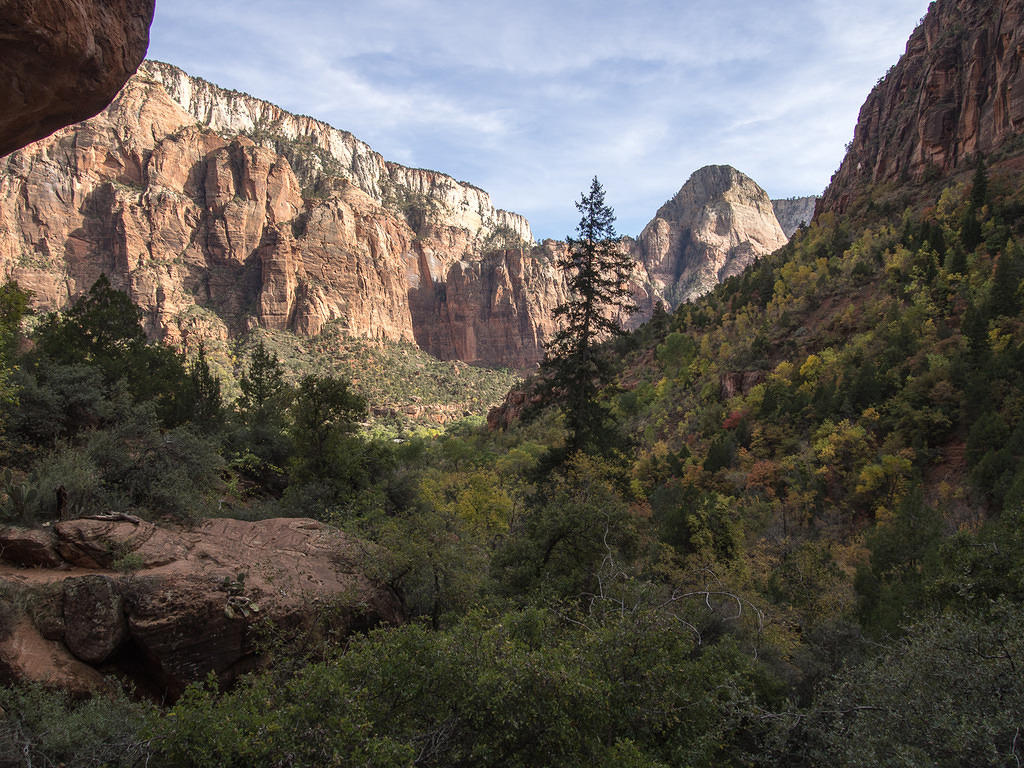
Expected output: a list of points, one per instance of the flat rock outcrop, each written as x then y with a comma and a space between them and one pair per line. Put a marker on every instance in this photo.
165, 607
64, 61
957, 92
719, 223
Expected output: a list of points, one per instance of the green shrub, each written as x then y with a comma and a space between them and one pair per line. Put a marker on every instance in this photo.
42, 727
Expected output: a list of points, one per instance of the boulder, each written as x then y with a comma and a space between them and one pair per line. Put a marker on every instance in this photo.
94, 619
100, 542
29, 548
46, 609
26, 656
186, 602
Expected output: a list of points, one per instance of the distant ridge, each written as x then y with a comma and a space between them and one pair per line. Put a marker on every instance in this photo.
794, 211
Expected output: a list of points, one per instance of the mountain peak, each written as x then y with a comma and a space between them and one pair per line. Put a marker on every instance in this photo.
717, 224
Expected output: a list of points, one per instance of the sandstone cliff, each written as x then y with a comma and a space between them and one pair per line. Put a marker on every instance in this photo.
219, 212
717, 224
957, 91
329, 152
794, 211
64, 61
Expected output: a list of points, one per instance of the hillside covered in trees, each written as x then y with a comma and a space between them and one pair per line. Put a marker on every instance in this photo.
813, 533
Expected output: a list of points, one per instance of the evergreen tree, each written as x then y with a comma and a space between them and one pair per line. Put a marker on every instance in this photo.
204, 393
264, 392
324, 412
13, 307
261, 443
1005, 281
103, 330
970, 228
979, 185
597, 272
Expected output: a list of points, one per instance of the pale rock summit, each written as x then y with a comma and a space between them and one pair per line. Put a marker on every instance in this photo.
719, 223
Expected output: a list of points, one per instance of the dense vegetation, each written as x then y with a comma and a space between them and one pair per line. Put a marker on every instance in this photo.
811, 552
408, 391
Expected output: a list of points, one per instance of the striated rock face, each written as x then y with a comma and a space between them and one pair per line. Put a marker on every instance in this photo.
64, 60
328, 152
957, 91
720, 222
503, 302
190, 604
794, 211
218, 212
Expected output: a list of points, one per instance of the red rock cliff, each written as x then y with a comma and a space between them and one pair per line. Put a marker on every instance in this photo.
956, 92
217, 212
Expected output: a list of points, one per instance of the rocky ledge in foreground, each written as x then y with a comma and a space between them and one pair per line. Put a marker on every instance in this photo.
64, 61
163, 607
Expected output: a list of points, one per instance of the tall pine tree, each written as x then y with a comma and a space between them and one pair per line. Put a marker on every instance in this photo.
597, 271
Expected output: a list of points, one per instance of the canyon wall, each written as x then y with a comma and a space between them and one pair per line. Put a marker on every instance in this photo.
186, 197
957, 92
792, 212
219, 212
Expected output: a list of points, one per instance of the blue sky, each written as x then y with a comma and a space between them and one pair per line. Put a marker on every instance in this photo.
529, 100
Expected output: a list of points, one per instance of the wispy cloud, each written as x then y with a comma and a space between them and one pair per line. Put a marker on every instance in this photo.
529, 101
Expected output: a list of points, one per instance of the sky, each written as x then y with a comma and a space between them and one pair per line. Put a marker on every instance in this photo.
531, 99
